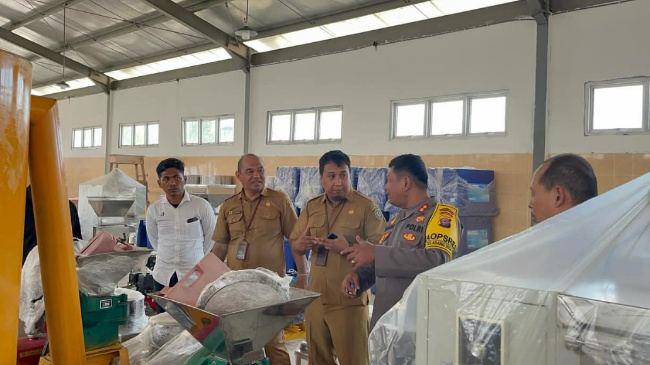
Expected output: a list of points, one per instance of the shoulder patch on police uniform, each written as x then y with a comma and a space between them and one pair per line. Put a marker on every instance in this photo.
378, 214
409, 236
384, 236
442, 230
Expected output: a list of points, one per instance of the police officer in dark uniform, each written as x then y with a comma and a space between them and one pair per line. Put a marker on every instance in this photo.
422, 236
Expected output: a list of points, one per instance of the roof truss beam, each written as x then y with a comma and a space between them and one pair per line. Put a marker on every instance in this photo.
97, 77
346, 15
39, 13
192, 21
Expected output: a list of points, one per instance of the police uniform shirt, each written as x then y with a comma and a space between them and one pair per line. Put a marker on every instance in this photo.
357, 215
273, 220
412, 243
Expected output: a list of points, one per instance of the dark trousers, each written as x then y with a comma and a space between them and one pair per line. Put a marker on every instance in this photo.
158, 287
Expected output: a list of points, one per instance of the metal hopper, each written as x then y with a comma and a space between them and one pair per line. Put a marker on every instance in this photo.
238, 337
116, 206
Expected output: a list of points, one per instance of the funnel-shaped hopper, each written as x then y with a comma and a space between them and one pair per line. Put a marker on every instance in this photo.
99, 274
111, 206
239, 336
137, 258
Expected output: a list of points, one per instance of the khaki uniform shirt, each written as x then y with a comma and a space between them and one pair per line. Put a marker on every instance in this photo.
416, 240
358, 215
273, 221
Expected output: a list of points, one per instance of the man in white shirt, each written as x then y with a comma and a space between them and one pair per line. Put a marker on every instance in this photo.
179, 226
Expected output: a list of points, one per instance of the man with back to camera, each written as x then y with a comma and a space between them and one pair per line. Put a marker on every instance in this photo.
179, 226
250, 233
334, 322
423, 235
559, 184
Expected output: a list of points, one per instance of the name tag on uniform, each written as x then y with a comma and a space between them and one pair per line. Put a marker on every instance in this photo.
242, 247
321, 256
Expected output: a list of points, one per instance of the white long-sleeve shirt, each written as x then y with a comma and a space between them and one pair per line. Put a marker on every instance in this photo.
181, 236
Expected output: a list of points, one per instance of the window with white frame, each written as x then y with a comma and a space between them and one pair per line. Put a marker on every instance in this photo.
139, 134
617, 106
208, 130
459, 115
315, 125
90, 137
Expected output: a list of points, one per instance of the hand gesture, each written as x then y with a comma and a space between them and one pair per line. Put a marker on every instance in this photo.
305, 242
350, 285
360, 254
337, 244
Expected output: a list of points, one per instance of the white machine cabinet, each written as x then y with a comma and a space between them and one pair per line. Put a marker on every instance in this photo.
572, 290
474, 324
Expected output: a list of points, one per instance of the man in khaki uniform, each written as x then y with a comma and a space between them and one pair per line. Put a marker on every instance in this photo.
336, 323
249, 234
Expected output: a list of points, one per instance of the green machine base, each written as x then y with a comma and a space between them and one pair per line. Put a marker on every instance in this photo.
205, 357
101, 318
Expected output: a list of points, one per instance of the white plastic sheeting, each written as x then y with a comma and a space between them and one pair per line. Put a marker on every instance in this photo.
160, 330
310, 186
32, 306
573, 289
136, 319
114, 184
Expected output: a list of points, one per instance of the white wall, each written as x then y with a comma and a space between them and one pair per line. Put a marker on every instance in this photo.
365, 81
167, 103
597, 44
87, 111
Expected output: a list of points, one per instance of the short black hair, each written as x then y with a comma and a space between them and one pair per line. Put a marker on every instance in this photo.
336, 156
170, 163
572, 172
412, 165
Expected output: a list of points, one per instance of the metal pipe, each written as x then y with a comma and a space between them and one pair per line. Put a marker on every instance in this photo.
15, 88
55, 249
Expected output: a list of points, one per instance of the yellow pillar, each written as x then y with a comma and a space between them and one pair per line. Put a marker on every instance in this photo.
15, 87
55, 250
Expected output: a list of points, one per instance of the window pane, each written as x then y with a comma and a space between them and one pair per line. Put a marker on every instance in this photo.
410, 120
447, 117
126, 138
140, 134
280, 127
152, 133
618, 107
330, 124
77, 136
226, 130
97, 137
488, 115
88, 137
208, 131
305, 125
192, 132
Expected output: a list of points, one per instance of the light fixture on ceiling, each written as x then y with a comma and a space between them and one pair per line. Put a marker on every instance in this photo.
246, 32
63, 85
